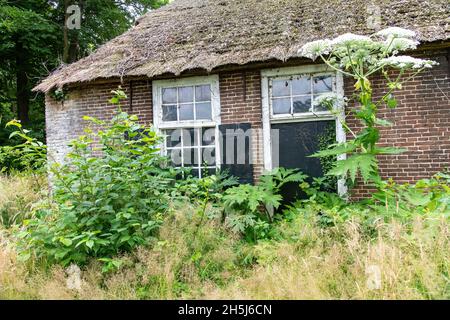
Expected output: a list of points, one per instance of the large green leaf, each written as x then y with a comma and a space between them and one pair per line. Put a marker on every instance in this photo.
366, 164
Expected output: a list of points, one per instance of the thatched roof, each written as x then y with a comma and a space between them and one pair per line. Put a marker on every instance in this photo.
205, 34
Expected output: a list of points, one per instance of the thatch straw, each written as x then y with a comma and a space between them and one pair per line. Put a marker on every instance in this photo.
205, 34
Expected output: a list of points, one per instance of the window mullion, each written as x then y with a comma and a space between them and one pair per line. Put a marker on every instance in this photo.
178, 105
290, 95
182, 146
199, 151
194, 106
312, 93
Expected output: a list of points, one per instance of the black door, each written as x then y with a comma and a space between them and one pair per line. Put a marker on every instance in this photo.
296, 141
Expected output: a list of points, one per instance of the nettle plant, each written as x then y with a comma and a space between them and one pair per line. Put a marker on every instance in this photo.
360, 57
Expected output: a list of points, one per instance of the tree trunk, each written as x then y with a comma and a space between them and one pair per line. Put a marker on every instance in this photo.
66, 47
22, 90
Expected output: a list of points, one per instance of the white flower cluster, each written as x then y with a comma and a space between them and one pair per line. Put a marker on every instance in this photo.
400, 44
396, 32
316, 48
350, 38
395, 40
329, 99
402, 62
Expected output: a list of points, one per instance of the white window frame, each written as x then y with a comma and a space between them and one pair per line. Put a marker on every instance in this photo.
269, 118
160, 125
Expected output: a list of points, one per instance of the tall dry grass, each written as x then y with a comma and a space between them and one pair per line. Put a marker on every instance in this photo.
187, 257
313, 263
195, 258
341, 263
18, 195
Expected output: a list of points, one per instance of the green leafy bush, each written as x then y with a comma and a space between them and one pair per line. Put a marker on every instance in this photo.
26, 153
392, 201
105, 204
249, 208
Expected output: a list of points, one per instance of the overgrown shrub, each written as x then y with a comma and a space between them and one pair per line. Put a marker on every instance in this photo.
402, 202
249, 208
105, 204
25, 151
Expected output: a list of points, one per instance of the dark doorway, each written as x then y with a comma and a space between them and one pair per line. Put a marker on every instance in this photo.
296, 141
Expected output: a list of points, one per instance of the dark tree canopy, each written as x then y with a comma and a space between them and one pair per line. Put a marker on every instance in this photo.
34, 40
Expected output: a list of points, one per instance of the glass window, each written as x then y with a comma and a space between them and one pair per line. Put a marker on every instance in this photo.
187, 103
187, 121
192, 148
294, 95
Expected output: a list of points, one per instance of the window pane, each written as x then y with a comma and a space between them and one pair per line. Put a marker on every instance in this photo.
173, 138
190, 137
186, 112
203, 93
302, 104
190, 157
281, 88
320, 107
174, 156
208, 156
195, 173
301, 85
169, 113
208, 172
208, 136
322, 84
185, 94
169, 95
203, 111
281, 106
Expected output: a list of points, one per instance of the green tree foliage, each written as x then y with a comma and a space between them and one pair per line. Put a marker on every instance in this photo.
33, 42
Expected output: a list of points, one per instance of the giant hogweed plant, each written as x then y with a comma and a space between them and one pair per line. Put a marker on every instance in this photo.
360, 57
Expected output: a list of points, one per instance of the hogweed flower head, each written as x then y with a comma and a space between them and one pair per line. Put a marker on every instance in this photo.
329, 100
400, 44
315, 49
403, 62
396, 32
351, 39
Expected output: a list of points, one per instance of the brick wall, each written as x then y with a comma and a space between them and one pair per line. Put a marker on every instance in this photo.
240, 99
422, 118
421, 125
64, 120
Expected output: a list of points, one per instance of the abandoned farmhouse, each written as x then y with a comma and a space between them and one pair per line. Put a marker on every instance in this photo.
212, 66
